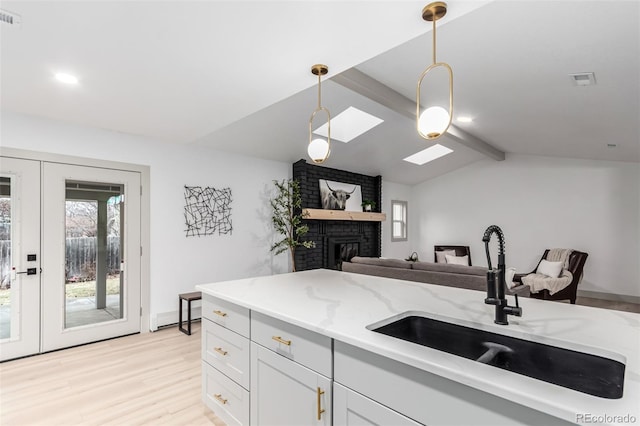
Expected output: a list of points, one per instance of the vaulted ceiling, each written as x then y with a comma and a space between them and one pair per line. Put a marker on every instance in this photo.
235, 75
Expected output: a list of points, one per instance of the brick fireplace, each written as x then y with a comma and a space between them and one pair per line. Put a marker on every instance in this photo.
336, 240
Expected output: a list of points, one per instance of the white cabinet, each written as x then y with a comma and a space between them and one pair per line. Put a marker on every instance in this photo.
352, 409
282, 376
284, 392
225, 360
263, 371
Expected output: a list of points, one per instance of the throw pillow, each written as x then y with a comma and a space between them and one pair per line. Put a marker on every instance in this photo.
508, 277
440, 255
457, 260
550, 269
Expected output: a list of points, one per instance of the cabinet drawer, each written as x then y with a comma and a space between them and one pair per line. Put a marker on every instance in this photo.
228, 315
225, 398
227, 351
306, 347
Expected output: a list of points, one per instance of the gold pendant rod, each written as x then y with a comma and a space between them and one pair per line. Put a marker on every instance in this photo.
319, 91
434, 41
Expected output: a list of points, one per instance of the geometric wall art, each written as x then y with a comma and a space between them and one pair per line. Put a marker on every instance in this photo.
207, 211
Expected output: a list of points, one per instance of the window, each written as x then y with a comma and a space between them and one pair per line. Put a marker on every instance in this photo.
398, 220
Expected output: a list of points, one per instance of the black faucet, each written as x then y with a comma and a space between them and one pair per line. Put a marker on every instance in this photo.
495, 290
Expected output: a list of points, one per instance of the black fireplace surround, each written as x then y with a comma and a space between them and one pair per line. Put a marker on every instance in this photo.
336, 240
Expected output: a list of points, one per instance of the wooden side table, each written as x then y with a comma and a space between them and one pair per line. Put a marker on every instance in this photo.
188, 297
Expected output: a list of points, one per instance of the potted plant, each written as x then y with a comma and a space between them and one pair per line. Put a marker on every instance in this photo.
368, 205
287, 219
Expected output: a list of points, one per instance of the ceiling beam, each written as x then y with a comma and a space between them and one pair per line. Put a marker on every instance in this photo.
371, 88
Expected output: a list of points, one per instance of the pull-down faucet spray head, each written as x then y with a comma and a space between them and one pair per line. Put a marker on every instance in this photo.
496, 279
487, 237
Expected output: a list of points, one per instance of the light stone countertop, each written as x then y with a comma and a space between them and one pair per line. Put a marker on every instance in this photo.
341, 305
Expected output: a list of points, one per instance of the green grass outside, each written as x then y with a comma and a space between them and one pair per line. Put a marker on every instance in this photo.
74, 290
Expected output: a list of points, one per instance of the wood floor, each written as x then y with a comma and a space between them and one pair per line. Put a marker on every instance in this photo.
143, 379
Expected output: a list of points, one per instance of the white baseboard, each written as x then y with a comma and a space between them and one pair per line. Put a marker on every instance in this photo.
609, 296
169, 318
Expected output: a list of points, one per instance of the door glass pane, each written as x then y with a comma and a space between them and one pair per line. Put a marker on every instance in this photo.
7, 296
94, 236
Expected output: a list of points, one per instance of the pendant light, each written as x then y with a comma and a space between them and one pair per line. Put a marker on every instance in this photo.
319, 148
435, 120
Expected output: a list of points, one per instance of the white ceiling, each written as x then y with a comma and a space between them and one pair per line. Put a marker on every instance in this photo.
234, 75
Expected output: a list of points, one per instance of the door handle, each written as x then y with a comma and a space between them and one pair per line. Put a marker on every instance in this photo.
29, 271
319, 393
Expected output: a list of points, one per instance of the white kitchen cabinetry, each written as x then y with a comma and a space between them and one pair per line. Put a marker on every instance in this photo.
352, 409
284, 392
225, 360
263, 371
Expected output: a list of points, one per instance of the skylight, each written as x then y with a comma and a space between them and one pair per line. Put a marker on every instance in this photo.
349, 124
429, 154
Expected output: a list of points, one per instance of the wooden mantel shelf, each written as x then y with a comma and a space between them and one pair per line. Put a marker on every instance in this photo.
321, 214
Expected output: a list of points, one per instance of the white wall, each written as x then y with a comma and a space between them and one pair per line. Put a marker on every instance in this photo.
178, 263
540, 202
396, 249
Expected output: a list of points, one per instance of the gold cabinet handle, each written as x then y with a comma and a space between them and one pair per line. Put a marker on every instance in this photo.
281, 340
222, 314
219, 397
319, 393
220, 351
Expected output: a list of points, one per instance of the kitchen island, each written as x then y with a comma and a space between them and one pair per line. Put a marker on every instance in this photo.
388, 376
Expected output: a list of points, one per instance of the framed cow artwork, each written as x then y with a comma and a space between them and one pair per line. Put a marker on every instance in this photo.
340, 196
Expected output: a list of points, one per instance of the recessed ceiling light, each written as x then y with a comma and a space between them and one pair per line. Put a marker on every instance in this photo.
463, 119
66, 78
349, 124
429, 154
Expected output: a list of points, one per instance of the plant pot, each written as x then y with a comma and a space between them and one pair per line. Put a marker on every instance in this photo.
366, 208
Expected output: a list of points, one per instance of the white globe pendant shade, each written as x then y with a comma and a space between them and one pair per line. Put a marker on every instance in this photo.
318, 150
434, 121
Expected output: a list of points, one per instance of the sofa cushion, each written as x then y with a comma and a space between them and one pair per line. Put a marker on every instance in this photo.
450, 268
376, 261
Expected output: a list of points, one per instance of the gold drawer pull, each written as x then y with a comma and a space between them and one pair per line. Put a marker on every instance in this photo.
219, 397
220, 351
319, 393
281, 340
222, 314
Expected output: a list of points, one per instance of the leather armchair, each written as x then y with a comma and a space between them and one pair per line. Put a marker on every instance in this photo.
576, 267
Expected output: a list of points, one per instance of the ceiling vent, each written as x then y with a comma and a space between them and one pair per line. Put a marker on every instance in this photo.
10, 18
583, 79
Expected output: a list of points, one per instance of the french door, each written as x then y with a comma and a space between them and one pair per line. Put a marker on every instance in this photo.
82, 227
19, 254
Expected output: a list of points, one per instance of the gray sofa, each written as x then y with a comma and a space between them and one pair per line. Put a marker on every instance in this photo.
469, 277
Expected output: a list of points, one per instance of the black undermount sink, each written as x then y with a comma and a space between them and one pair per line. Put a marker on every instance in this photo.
590, 374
